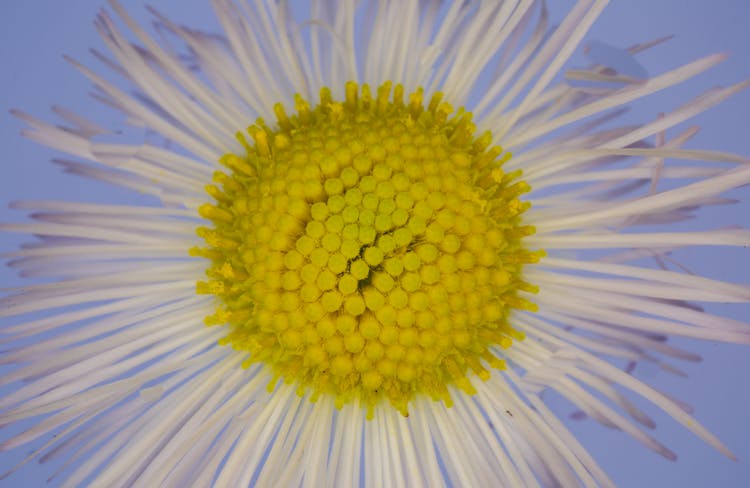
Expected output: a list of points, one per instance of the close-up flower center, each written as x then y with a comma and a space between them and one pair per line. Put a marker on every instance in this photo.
369, 249
315, 265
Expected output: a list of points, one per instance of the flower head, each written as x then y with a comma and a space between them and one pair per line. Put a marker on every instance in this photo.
378, 235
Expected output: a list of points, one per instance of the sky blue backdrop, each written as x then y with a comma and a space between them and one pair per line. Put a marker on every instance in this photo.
34, 34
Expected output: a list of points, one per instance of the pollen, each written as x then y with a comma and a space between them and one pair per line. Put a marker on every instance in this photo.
368, 249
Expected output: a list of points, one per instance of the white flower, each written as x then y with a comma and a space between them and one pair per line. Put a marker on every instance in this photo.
123, 379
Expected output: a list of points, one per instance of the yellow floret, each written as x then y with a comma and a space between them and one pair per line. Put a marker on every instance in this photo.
369, 248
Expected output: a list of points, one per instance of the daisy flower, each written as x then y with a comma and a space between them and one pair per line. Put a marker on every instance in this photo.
372, 244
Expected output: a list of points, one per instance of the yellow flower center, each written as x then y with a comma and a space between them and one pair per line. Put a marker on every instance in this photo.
369, 249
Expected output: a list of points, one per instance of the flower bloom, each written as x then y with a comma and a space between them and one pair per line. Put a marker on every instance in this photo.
380, 237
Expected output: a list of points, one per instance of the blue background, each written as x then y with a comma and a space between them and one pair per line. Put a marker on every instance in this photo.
34, 35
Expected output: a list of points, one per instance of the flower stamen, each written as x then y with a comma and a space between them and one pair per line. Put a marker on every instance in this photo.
369, 249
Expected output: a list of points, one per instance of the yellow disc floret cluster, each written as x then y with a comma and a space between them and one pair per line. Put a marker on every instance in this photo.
368, 249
